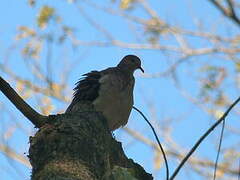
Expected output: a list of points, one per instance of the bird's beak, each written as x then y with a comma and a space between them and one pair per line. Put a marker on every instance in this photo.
141, 69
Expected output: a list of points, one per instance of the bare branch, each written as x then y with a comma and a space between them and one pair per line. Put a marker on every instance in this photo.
116, 12
148, 9
219, 149
196, 161
228, 12
95, 24
48, 91
13, 155
37, 119
233, 13
202, 138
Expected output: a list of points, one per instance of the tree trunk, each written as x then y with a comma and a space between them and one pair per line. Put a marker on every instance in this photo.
79, 146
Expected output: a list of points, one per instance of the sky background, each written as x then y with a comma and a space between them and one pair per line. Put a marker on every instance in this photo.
157, 92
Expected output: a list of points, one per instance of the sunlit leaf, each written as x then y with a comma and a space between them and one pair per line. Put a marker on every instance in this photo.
25, 32
125, 4
45, 14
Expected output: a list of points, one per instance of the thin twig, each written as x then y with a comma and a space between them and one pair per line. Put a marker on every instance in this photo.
202, 138
92, 22
160, 146
148, 9
239, 170
115, 12
219, 149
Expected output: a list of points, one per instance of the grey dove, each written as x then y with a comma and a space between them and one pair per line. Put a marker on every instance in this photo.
110, 91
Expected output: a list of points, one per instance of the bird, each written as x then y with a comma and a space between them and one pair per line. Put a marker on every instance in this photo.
110, 91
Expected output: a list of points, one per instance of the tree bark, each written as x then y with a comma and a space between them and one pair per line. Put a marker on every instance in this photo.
79, 146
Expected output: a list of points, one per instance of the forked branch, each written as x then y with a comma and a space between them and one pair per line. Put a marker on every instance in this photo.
202, 138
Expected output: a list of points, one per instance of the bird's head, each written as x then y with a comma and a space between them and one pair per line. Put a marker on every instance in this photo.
130, 63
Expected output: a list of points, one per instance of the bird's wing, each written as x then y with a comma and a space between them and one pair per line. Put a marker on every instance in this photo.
87, 88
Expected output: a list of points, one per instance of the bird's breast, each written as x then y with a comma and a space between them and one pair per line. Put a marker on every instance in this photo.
115, 100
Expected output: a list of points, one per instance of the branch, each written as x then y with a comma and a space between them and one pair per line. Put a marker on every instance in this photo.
13, 155
48, 91
233, 13
194, 161
160, 146
228, 12
219, 149
202, 138
37, 119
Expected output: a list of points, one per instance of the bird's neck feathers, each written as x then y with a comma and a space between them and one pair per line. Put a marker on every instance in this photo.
126, 69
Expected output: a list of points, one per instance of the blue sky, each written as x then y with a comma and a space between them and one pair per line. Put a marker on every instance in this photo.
161, 92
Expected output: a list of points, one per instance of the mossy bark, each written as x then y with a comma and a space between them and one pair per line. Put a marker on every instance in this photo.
79, 146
